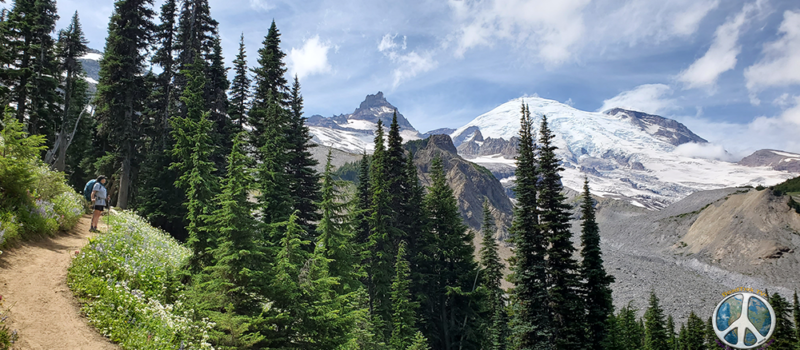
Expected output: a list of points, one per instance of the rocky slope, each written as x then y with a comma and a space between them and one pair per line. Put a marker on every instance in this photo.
91, 65
470, 182
777, 160
699, 247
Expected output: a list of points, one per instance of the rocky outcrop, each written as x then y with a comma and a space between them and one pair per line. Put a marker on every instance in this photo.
440, 131
373, 108
664, 129
477, 146
471, 183
778, 160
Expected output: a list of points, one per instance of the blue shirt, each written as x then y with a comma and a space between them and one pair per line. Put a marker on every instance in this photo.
100, 194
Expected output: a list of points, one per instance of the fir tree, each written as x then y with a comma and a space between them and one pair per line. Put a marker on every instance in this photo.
450, 314
784, 335
120, 92
195, 36
217, 99
492, 278
269, 75
711, 336
239, 262
419, 343
597, 282
333, 232
403, 316
631, 330
683, 339
397, 184
164, 57
531, 323
33, 75
563, 284
71, 46
796, 313
274, 199
671, 336
303, 178
655, 336
695, 337
193, 148
240, 93
381, 254
613, 339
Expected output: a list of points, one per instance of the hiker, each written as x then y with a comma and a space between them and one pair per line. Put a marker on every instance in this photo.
99, 198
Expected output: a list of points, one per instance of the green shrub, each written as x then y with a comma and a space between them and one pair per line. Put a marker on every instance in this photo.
9, 229
7, 336
69, 206
127, 282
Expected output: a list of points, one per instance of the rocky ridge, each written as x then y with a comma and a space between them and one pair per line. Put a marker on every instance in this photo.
777, 160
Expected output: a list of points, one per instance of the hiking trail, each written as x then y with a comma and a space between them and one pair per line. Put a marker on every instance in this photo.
33, 282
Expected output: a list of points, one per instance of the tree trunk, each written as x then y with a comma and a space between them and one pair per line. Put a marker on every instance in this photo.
124, 181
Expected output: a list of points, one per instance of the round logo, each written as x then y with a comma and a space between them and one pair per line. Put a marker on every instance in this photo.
744, 320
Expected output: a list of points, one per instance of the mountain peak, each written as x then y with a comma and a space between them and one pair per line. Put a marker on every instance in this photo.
664, 129
374, 101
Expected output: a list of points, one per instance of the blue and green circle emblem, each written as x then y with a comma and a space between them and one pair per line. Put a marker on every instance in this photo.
744, 320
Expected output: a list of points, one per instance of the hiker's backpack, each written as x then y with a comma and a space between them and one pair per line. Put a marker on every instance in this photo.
87, 190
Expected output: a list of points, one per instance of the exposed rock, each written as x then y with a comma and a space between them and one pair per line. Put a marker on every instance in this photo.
664, 129
471, 183
440, 131
467, 134
478, 146
778, 160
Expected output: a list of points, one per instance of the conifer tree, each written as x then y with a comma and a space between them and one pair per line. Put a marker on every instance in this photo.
227, 288
711, 336
33, 75
671, 337
531, 323
381, 254
563, 284
682, 339
71, 46
333, 232
164, 56
120, 94
492, 278
450, 311
655, 336
597, 282
403, 316
269, 74
796, 313
303, 178
695, 333
217, 99
631, 330
397, 183
275, 198
240, 93
195, 36
192, 151
419, 342
784, 335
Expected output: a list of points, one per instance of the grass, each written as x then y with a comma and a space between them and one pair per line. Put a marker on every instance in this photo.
692, 213
127, 281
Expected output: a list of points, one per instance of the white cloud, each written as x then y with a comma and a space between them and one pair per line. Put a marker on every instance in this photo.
721, 56
687, 22
780, 64
705, 151
648, 98
408, 64
262, 5
551, 28
310, 59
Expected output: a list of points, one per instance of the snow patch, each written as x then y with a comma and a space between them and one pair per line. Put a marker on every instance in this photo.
91, 56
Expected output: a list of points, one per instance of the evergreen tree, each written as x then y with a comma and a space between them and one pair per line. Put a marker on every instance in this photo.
492, 281
450, 310
397, 183
381, 254
71, 46
531, 323
784, 335
597, 283
683, 339
217, 99
32, 75
164, 57
419, 343
711, 336
655, 336
563, 284
192, 151
269, 75
120, 93
303, 178
695, 337
672, 341
796, 313
239, 262
274, 198
333, 232
240, 93
403, 316
631, 330
195, 36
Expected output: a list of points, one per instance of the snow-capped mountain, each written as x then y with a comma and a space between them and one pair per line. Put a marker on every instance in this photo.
625, 154
771, 158
355, 132
91, 65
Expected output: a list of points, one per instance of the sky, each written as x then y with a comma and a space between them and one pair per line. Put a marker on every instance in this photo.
729, 70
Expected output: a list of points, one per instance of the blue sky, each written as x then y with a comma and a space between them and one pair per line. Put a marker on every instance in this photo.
730, 70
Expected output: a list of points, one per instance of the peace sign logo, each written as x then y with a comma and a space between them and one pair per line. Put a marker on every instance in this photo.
744, 320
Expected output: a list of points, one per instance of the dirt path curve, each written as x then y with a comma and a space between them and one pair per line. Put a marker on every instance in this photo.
33, 279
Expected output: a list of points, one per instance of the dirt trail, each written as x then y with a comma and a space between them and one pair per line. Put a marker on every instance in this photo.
33, 279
